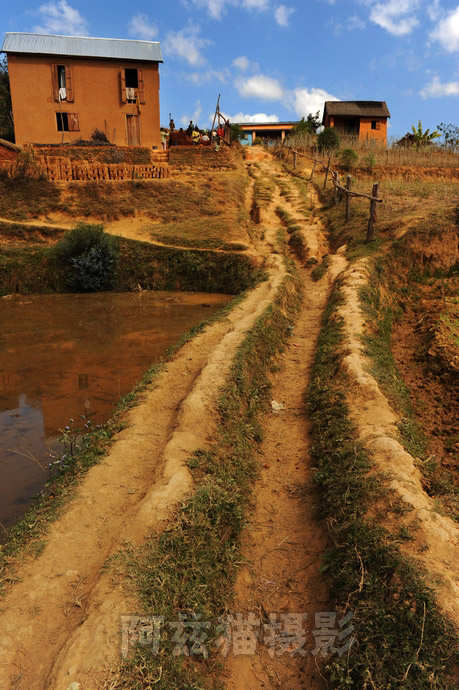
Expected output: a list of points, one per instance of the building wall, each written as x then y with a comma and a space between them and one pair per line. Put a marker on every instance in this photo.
365, 130
96, 94
367, 133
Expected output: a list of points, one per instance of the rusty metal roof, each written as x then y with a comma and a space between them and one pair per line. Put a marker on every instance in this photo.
357, 108
82, 46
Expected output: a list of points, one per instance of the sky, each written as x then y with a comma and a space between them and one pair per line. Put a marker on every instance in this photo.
272, 61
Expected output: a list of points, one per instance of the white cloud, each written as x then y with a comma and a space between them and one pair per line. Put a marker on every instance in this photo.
258, 118
185, 119
282, 15
396, 16
186, 44
260, 5
447, 31
241, 63
215, 8
354, 22
208, 75
306, 101
437, 90
60, 18
259, 86
141, 27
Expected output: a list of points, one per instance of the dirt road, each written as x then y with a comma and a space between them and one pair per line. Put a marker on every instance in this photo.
60, 623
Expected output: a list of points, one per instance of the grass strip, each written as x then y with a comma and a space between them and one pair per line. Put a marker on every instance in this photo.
402, 640
192, 566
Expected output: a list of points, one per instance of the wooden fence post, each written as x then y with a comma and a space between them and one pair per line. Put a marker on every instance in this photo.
327, 172
337, 194
372, 219
348, 198
294, 160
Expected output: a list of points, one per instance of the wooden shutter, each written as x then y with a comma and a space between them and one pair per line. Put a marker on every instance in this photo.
74, 122
123, 85
69, 83
141, 86
54, 82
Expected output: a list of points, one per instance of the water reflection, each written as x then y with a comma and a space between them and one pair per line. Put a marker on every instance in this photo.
62, 356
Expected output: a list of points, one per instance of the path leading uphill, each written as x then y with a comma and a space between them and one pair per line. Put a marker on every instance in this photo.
60, 622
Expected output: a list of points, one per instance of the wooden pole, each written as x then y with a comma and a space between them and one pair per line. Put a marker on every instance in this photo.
337, 195
294, 160
327, 172
348, 198
372, 219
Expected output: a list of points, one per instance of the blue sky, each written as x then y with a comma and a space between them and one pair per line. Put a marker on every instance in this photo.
279, 59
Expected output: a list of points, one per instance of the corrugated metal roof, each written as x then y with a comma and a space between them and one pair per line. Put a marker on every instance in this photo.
82, 46
357, 108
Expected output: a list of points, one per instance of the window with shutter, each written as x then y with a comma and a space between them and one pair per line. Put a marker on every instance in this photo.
67, 122
141, 86
54, 82
69, 83
123, 85
74, 122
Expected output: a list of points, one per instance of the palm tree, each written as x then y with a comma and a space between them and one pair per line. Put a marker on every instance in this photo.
421, 138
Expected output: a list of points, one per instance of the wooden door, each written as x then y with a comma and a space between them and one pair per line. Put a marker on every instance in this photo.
133, 130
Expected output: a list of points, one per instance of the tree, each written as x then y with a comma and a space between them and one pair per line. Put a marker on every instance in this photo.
450, 134
308, 126
328, 139
6, 111
89, 257
422, 139
236, 132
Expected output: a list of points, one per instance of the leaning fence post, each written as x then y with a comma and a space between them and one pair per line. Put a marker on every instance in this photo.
336, 182
348, 198
326, 172
372, 219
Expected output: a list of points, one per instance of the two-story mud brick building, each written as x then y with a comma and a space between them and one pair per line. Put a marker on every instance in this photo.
65, 87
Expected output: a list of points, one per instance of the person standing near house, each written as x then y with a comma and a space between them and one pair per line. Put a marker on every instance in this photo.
190, 128
163, 135
171, 131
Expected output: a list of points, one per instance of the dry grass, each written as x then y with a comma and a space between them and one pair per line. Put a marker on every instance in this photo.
392, 155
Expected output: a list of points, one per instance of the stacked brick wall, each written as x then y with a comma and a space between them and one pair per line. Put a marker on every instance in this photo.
59, 168
201, 158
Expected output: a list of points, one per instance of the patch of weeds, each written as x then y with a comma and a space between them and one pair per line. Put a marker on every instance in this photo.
289, 222
263, 190
402, 640
319, 271
299, 246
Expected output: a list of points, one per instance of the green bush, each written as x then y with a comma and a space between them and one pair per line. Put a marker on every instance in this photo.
369, 161
89, 257
328, 139
348, 158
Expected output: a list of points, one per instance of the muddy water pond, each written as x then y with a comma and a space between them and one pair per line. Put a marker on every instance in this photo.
72, 357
